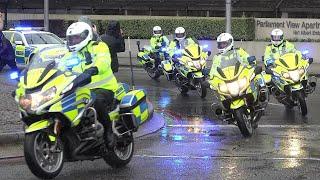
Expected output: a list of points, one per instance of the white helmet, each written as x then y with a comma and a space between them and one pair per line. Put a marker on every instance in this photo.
180, 33
157, 31
78, 34
225, 42
276, 37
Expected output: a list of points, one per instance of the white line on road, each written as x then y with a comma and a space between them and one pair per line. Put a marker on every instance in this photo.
227, 157
233, 126
275, 104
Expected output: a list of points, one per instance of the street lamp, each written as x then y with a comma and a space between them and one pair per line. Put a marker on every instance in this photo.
46, 15
228, 16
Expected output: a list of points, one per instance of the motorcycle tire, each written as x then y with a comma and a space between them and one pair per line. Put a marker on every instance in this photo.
119, 156
302, 103
153, 73
202, 90
244, 122
39, 158
183, 90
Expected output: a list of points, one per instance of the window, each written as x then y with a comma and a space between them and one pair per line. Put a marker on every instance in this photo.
17, 37
43, 38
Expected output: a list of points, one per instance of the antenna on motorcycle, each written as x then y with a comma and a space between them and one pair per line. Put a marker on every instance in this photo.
131, 65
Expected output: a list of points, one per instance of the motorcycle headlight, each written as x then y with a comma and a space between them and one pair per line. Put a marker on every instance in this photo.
34, 100
301, 71
294, 75
223, 88
286, 75
234, 88
197, 64
242, 83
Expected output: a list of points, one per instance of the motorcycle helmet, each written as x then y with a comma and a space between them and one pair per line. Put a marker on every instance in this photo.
225, 42
78, 35
277, 37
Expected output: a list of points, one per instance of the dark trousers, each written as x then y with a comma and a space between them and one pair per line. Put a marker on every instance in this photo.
103, 105
11, 63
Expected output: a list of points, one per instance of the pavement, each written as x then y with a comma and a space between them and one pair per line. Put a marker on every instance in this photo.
193, 144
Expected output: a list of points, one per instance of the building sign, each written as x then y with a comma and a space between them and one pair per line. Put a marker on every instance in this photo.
307, 29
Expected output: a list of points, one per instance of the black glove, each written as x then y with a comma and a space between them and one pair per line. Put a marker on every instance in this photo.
85, 77
81, 80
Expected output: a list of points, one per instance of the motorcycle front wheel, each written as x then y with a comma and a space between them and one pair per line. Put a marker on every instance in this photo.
153, 73
201, 89
302, 103
43, 161
244, 121
121, 154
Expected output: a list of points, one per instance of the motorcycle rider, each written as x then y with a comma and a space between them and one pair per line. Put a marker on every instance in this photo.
95, 69
227, 52
180, 42
158, 41
278, 47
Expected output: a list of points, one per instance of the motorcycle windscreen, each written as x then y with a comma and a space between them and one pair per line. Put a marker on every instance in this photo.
289, 61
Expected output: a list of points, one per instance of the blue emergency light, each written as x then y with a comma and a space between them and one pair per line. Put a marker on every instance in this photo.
14, 75
304, 52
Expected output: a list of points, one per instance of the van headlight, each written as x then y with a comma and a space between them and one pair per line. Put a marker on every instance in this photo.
34, 100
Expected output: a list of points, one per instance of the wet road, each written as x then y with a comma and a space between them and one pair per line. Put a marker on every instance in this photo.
194, 145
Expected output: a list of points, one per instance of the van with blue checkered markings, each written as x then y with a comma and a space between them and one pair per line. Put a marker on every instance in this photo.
27, 41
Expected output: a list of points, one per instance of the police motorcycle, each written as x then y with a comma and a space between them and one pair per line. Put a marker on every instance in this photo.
190, 69
237, 89
290, 83
61, 123
151, 60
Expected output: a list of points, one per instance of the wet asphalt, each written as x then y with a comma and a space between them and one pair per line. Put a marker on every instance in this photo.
195, 145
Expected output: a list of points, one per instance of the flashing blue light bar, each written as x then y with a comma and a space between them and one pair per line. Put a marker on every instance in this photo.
163, 49
72, 62
26, 28
205, 46
14, 75
304, 52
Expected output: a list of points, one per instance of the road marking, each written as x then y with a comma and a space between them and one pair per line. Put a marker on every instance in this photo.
275, 104
233, 126
227, 157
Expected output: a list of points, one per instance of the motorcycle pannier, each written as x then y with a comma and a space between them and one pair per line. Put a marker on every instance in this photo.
134, 108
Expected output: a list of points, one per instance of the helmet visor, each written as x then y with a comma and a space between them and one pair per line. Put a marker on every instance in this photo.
158, 32
77, 38
276, 37
224, 44
180, 35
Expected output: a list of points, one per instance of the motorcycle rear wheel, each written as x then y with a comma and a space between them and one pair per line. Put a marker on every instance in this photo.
244, 121
121, 154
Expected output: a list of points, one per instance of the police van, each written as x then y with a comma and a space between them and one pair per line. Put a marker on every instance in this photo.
27, 41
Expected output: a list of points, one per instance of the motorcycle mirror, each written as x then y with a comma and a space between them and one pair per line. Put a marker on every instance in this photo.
310, 60
262, 57
258, 70
209, 53
269, 71
138, 44
251, 59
